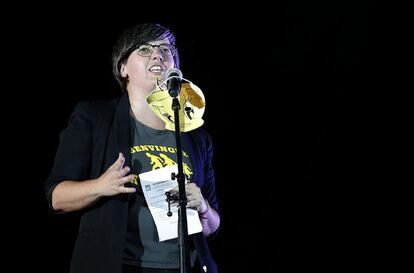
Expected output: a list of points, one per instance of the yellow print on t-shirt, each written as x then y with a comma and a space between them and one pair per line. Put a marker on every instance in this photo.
155, 148
163, 160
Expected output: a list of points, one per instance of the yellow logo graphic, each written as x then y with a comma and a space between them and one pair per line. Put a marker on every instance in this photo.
163, 160
156, 161
135, 180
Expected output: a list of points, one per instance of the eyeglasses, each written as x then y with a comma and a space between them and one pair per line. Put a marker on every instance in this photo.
146, 50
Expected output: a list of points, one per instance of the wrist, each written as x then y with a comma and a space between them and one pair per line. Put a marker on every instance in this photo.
204, 208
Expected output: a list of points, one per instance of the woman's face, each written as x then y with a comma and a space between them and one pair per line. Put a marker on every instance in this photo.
148, 63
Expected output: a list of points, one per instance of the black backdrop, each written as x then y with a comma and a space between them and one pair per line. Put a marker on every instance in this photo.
284, 86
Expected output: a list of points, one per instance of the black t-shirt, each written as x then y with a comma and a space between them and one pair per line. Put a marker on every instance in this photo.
152, 149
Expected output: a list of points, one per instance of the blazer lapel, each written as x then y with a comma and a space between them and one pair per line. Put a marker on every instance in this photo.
122, 128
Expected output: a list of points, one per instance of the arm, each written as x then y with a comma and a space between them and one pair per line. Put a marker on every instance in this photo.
208, 209
209, 218
72, 195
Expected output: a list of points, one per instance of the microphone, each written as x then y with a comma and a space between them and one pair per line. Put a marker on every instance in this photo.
174, 77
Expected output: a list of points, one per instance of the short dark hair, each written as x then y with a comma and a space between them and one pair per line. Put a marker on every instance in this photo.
130, 38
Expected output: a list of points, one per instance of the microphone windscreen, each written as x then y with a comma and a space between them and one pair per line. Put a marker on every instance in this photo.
173, 72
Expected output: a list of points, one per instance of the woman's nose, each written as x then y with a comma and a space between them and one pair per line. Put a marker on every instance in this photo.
156, 54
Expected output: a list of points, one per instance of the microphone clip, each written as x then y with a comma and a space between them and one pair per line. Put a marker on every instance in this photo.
171, 198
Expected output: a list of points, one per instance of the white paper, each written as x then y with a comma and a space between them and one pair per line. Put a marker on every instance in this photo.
154, 185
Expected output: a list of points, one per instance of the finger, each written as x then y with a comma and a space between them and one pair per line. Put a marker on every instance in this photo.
119, 162
174, 190
126, 179
190, 185
192, 188
192, 204
128, 190
124, 171
190, 200
193, 192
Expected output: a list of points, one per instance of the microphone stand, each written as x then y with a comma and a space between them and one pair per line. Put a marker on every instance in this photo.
184, 259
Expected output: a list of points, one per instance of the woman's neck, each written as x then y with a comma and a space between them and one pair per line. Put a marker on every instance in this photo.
142, 112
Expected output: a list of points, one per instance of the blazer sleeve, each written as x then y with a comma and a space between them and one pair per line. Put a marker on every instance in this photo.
73, 156
209, 187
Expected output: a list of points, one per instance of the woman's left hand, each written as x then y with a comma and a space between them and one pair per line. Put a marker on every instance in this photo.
194, 196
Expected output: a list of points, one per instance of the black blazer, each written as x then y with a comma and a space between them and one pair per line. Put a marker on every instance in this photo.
97, 132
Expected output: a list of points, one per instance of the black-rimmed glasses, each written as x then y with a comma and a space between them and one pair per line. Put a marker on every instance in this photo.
146, 49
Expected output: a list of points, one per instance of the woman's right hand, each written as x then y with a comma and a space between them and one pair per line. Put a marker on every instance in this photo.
113, 181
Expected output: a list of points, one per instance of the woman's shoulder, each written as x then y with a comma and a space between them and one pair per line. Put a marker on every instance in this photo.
200, 134
95, 110
96, 106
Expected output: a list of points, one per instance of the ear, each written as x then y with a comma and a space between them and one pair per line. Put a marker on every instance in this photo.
124, 72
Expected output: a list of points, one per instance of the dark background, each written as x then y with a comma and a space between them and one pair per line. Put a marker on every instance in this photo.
286, 86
